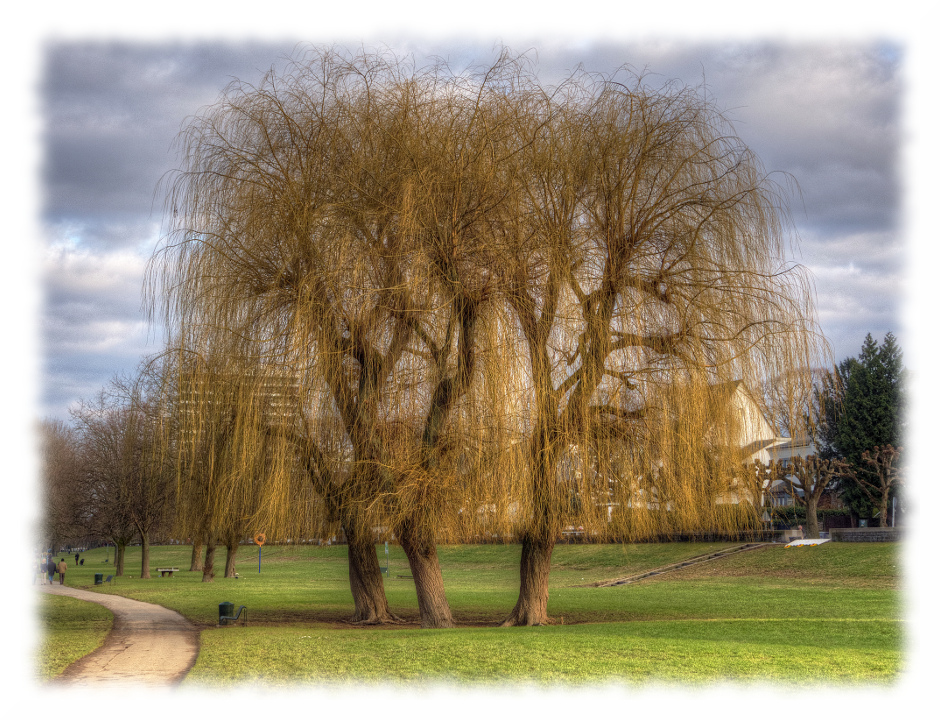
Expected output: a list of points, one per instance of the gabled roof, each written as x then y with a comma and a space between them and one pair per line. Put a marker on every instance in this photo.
759, 434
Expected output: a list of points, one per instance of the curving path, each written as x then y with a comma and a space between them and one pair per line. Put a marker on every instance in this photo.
148, 644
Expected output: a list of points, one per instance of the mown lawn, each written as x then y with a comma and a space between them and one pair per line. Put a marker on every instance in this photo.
73, 629
803, 616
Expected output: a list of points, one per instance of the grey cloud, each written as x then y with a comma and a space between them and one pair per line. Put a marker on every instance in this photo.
101, 174
112, 113
71, 377
854, 298
828, 114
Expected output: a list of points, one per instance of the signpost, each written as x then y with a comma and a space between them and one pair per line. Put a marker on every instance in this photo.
259, 541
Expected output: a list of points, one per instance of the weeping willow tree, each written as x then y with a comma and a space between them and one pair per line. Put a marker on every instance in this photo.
643, 252
327, 224
506, 307
216, 421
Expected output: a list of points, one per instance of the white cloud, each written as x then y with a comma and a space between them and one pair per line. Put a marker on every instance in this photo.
73, 268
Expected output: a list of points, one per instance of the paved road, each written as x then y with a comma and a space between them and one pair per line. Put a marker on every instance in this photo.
148, 644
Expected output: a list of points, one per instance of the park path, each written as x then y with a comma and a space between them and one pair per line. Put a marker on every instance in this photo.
148, 644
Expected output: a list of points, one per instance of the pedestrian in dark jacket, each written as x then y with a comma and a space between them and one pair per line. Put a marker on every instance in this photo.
50, 569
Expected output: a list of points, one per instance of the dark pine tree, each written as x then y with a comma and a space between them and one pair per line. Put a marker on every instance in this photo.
867, 408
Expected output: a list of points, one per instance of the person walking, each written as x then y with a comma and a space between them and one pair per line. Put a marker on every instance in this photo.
62, 567
50, 569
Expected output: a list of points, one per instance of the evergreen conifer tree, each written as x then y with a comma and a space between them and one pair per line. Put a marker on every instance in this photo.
866, 411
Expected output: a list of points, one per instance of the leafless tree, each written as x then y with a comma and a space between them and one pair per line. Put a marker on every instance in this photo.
883, 475
127, 480
812, 476
61, 496
111, 454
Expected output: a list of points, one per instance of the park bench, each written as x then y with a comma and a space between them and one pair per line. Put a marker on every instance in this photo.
224, 619
167, 571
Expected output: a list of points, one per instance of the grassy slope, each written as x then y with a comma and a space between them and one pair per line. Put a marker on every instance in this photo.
798, 615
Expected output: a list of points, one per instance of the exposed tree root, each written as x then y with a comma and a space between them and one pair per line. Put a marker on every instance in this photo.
390, 619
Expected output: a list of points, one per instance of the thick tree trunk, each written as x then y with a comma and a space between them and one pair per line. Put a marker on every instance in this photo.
426, 570
208, 567
144, 555
534, 566
883, 519
195, 563
365, 579
119, 548
231, 550
812, 520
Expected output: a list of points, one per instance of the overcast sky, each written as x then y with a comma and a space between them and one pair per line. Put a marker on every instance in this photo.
827, 113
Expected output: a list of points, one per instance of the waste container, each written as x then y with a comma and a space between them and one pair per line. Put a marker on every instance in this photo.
99, 578
225, 610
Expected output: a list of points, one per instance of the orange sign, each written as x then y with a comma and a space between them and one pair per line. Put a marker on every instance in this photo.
259, 539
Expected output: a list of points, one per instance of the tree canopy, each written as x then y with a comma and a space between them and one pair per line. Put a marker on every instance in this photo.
501, 306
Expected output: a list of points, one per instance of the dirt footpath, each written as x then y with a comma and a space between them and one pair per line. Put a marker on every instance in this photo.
148, 644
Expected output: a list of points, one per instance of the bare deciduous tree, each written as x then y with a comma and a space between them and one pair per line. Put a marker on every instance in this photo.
61, 497
812, 476
126, 486
883, 476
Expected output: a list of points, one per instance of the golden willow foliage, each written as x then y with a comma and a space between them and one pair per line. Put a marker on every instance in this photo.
501, 307
216, 419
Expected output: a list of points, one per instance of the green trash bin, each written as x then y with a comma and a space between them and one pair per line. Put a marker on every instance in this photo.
225, 610
99, 578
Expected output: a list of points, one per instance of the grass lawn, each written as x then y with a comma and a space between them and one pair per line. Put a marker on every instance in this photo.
74, 629
800, 616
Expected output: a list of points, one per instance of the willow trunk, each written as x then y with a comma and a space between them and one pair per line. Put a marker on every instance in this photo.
365, 579
195, 562
231, 550
534, 566
418, 544
208, 567
119, 548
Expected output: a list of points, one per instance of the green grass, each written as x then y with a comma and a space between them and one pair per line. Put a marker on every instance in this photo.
72, 629
803, 616
688, 651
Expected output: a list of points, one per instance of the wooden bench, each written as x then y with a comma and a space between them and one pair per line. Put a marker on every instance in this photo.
167, 571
